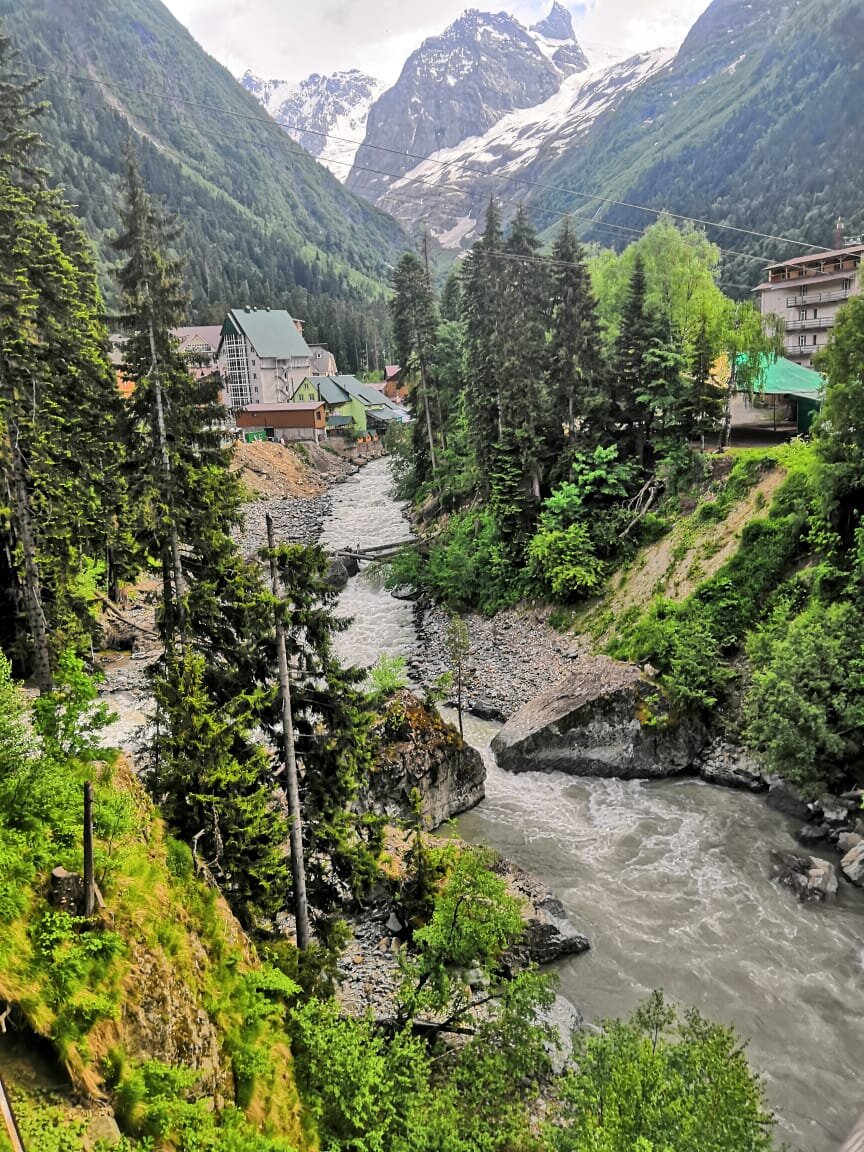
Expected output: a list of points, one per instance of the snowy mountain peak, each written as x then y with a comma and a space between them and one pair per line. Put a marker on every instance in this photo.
326, 114
460, 83
558, 25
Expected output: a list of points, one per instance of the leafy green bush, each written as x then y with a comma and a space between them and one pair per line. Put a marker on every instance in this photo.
658, 1081
804, 708
563, 561
69, 719
468, 566
387, 675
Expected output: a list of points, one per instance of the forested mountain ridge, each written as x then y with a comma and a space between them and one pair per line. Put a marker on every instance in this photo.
263, 222
754, 124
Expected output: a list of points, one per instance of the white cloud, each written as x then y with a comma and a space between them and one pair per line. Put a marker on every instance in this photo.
290, 40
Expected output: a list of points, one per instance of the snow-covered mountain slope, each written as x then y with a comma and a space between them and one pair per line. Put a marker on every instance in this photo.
459, 84
326, 114
449, 191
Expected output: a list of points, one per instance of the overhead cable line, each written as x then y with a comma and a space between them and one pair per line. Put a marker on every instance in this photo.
558, 189
394, 193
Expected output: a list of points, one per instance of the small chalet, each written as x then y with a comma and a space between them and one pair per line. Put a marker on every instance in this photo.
351, 406
199, 347
284, 422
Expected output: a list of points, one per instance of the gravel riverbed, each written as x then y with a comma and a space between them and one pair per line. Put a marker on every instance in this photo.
512, 657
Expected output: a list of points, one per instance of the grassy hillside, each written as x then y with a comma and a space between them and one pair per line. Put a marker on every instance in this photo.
755, 124
159, 1007
264, 223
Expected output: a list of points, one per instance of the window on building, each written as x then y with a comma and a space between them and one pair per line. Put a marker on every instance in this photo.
814, 341
815, 313
802, 313
802, 340
803, 289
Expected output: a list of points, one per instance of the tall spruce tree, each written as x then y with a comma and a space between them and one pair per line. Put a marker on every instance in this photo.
481, 294
579, 400
171, 417
415, 320
58, 404
632, 366
520, 463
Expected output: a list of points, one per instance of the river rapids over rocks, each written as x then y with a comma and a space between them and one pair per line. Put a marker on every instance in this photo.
671, 880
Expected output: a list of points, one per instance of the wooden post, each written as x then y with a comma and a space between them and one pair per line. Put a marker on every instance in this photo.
9, 1119
292, 788
89, 880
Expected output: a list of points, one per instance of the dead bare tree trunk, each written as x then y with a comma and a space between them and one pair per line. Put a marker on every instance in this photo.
165, 465
89, 880
292, 789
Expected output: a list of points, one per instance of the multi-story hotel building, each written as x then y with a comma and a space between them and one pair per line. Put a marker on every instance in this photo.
807, 292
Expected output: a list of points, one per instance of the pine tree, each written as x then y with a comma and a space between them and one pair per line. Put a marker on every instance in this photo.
578, 388
414, 324
481, 294
631, 366
524, 353
58, 404
183, 492
451, 296
332, 730
217, 789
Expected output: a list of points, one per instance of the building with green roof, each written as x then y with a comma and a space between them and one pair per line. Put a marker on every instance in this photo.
344, 395
788, 394
265, 356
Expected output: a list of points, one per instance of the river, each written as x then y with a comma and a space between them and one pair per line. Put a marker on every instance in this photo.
670, 880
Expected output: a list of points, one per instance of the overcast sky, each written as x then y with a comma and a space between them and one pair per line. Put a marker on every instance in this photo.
289, 39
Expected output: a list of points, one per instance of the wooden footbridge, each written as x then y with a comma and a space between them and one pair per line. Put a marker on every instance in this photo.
379, 551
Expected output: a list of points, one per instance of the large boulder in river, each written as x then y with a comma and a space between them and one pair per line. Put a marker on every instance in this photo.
604, 719
421, 759
785, 797
809, 877
852, 865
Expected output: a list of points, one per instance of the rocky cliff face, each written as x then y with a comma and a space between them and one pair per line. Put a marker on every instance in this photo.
461, 83
326, 114
423, 760
604, 719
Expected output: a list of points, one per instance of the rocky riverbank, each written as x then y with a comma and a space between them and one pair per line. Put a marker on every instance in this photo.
369, 967
512, 658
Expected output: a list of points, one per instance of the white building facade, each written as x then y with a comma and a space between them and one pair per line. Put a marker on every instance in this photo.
265, 357
807, 293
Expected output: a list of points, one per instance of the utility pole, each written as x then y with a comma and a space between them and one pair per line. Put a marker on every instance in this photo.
89, 881
295, 828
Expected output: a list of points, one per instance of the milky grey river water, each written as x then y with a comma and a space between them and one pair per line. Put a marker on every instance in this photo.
670, 880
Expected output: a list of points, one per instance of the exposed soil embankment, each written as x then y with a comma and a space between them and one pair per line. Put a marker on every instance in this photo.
270, 469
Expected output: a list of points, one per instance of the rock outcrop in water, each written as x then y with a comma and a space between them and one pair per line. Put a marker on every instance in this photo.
422, 759
809, 877
604, 719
